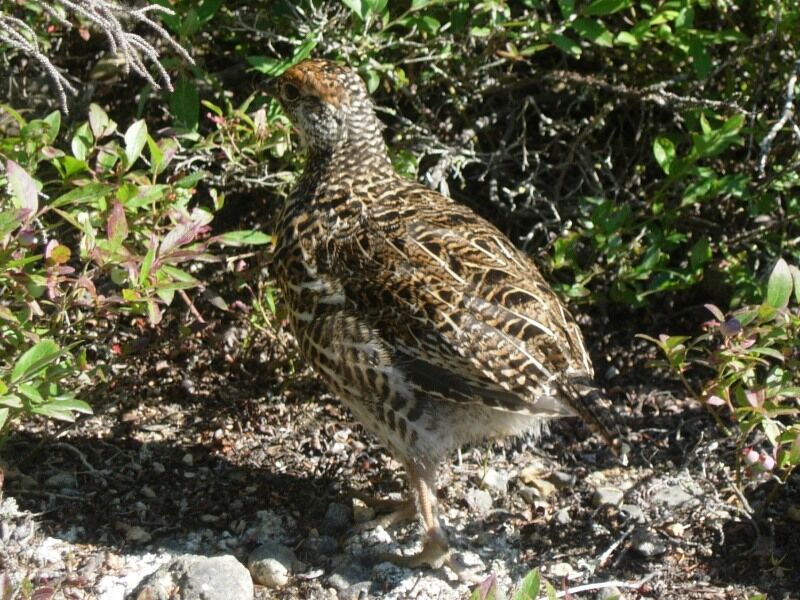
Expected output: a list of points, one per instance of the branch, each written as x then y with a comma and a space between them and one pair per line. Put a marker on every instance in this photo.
788, 111
115, 22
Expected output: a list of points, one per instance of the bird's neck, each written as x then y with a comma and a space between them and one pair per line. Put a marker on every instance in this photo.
358, 159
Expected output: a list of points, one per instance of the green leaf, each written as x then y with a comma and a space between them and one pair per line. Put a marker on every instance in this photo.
565, 44
99, 122
701, 61
24, 190
664, 152
357, 6
529, 588
626, 38
780, 285
191, 180
34, 359
89, 193
147, 263
82, 142
594, 31
53, 122
117, 225
11, 401
31, 392
135, 138
244, 237
605, 7
567, 8
184, 104
700, 253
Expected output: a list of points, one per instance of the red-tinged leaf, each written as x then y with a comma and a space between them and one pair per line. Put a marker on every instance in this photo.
153, 312
718, 314
117, 225
23, 188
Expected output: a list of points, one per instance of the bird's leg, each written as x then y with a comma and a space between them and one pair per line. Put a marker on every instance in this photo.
435, 550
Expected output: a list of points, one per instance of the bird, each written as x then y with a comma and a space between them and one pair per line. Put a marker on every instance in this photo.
422, 317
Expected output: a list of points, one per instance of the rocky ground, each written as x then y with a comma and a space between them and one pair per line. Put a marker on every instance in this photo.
216, 442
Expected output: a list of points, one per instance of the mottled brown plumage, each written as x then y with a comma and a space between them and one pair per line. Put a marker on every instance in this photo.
420, 315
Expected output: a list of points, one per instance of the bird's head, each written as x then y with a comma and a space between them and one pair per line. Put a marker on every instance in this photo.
329, 104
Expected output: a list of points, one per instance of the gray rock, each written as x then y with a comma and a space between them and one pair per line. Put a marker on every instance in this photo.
357, 591
321, 545
562, 517
609, 593
192, 577
633, 512
337, 519
647, 544
532, 496
672, 496
562, 479
271, 564
496, 481
480, 501
347, 575
607, 495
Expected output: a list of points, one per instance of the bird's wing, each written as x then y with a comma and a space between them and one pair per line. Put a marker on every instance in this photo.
467, 315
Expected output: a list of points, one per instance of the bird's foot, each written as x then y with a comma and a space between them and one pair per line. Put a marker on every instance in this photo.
435, 554
397, 511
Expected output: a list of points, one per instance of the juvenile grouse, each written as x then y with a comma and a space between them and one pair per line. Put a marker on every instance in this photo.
421, 316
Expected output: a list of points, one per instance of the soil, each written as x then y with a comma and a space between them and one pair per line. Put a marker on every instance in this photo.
205, 434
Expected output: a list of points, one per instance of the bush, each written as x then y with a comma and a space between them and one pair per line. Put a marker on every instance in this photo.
99, 231
754, 358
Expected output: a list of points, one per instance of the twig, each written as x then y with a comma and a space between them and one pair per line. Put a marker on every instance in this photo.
82, 457
788, 110
654, 94
109, 18
591, 587
603, 559
191, 306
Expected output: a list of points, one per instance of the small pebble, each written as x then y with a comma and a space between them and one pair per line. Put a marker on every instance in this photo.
633, 512
480, 501
562, 517
336, 520
675, 529
271, 564
647, 544
496, 481
607, 495
361, 512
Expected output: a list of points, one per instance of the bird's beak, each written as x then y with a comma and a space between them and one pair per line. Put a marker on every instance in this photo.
271, 89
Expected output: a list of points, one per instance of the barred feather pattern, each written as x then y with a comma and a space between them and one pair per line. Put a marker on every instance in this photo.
421, 316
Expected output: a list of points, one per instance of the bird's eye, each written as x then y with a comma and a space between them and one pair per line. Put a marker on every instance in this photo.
290, 92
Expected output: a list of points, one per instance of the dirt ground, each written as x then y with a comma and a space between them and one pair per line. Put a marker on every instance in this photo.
203, 434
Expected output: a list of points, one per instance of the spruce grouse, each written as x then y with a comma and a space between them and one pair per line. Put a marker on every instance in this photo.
417, 313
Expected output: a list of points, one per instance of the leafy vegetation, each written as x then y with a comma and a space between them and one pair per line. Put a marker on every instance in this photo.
90, 232
754, 358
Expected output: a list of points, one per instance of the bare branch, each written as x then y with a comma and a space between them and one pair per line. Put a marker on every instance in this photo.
786, 114
115, 21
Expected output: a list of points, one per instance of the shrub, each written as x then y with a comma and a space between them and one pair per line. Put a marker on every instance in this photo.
753, 355
102, 230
